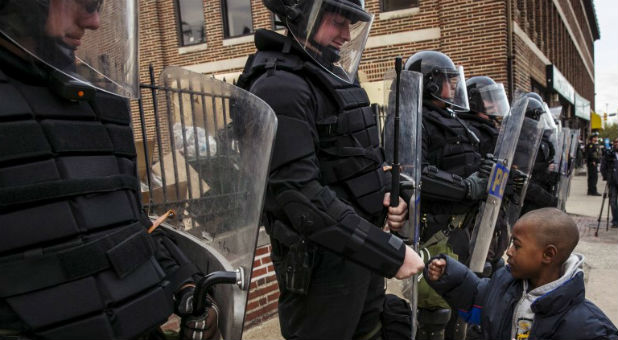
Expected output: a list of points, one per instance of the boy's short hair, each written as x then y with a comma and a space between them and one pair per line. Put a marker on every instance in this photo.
553, 226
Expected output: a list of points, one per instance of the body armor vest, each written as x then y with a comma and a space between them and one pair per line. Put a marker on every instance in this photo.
452, 148
349, 153
75, 257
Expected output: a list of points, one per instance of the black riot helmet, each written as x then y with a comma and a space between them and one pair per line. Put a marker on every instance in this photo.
442, 80
534, 109
340, 53
91, 41
487, 97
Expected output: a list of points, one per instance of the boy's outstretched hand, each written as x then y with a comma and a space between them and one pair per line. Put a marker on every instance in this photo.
436, 269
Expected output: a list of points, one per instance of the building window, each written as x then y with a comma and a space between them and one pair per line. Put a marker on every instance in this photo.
393, 5
237, 18
191, 22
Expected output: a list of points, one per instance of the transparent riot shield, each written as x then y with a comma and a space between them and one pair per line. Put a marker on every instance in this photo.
563, 185
409, 150
523, 162
488, 213
207, 160
572, 160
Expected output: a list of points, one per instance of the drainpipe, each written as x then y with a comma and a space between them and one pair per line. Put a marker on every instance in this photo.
509, 48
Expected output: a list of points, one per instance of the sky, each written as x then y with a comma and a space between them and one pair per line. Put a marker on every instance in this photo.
606, 57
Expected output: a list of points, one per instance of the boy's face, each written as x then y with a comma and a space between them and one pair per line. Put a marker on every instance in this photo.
525, 256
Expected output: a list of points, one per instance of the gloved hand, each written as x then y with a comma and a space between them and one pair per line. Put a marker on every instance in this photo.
516, 180
203, 326
487, 165
476, 186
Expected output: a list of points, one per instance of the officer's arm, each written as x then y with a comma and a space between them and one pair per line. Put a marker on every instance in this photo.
438, 184
296, 196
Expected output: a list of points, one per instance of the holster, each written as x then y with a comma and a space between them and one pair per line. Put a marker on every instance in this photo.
298, 266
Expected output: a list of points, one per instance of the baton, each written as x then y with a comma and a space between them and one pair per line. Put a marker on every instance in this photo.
395, 169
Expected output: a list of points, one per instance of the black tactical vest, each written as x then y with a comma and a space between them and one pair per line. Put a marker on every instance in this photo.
75, 257
349, 153
452, 148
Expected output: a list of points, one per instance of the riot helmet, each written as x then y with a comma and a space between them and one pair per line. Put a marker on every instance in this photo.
535, 108
442, 80
535, 96
332, 32
487, 97
91, 41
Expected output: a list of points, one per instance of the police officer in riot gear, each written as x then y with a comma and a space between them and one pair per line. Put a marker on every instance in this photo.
451, 184
75, 255
539, 192
325, 201
488, 104
593, 157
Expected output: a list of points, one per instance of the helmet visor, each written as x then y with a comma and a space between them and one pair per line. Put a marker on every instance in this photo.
453, 89
92, 41
495, 101
333, 33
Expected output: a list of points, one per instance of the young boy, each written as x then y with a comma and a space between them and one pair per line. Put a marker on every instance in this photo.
540, 294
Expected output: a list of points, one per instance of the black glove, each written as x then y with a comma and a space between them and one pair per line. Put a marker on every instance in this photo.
516, 180
203, 326
487, 164
476, 186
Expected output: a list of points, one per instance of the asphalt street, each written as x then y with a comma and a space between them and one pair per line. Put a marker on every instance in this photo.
600, 254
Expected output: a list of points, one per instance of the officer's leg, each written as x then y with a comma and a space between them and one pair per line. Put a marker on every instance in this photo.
333, 307
592, 182
431, 323
456, 328
595, 179
613, 203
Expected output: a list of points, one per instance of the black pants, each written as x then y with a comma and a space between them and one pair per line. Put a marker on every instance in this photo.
345, 301
613, 202
593, 177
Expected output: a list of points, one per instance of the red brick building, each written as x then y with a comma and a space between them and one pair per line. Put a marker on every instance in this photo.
529, 45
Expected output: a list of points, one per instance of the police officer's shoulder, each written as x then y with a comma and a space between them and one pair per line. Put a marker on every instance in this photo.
285, 92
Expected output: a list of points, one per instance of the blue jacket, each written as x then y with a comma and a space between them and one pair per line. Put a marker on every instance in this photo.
563, 313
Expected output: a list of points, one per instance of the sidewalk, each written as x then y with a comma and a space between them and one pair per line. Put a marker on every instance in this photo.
600, 253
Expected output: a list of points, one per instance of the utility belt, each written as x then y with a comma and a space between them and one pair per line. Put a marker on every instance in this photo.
431, 224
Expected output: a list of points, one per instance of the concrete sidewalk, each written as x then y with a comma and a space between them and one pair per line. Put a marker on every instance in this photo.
600, 253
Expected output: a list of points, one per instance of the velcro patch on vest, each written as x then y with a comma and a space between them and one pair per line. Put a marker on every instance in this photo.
22, 140
71, 136
351, 97
130, 254
13, 104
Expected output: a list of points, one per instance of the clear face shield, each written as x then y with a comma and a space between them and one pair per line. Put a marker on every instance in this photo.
333, 33
92, 41
453, 90
494, 99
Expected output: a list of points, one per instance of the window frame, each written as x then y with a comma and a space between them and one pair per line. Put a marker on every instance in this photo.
181, 40
383, 10
226, 28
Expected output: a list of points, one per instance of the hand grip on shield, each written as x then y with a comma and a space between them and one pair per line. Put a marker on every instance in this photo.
203, 285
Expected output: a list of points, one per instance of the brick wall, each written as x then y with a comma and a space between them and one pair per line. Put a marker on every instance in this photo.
263, 291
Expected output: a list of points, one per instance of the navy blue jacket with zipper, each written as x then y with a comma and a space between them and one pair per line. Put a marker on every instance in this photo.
563, 313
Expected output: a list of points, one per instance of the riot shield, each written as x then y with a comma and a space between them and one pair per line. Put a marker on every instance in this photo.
572, 160
409, 148
564, 168
523, 162
211, 153
488, 213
